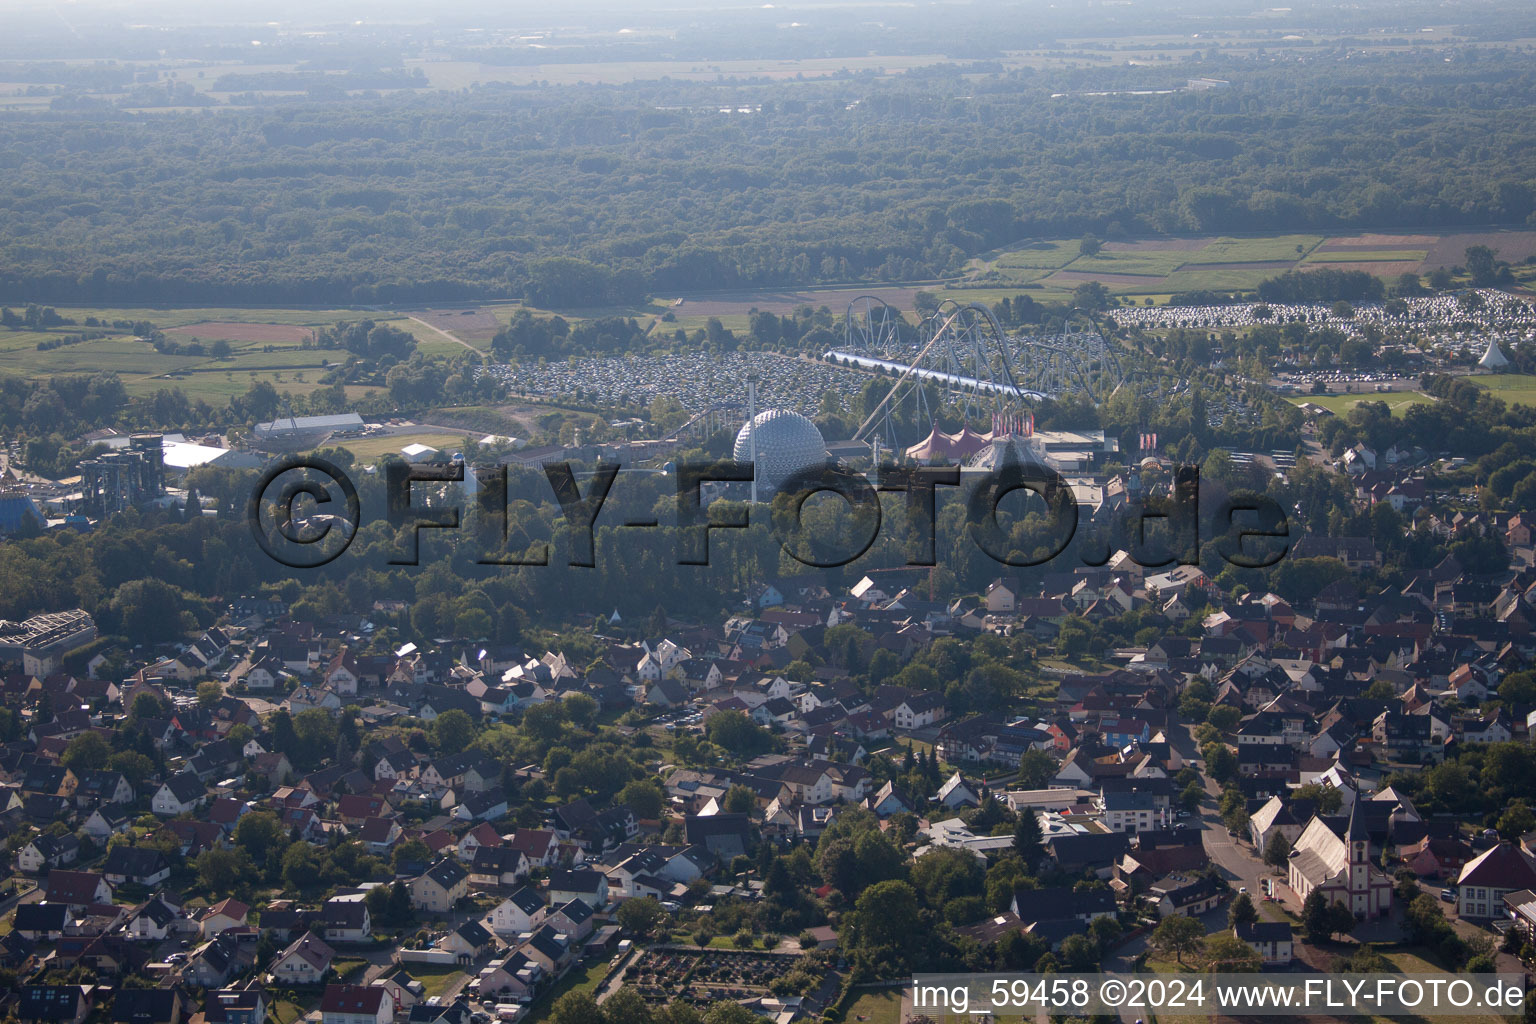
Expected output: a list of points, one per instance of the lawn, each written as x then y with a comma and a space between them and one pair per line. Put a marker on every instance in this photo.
882, 1007
285, 1012
1514, 388
434, 978
348, 965
584, 977
1397, 401
369, 449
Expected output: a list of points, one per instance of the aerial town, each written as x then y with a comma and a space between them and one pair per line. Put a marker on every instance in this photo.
708, 514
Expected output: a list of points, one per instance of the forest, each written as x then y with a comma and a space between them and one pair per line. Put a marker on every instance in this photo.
583, 195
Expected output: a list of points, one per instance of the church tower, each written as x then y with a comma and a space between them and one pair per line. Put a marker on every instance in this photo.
1359, 842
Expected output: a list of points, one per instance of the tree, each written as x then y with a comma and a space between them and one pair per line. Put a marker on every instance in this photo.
1316, 918
576, 1008
885, 922
1341, 920
1090, 245
1224, 717
1191, 796
300, 866
1079, 953
735, 732
1482, 264
1327, 799
1178, 935
1036, 768
1277, 850
1516, 820
1242, 911
221, 871
1028, 838
400, 909
147, 705
943, 876
1220, 763
626, 1006
209, 694
642, 916
739, 799
452, 731
644, 797
136, 767
86, 752
1227, 954
258, 833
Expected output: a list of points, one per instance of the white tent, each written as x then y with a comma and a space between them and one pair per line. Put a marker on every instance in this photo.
1494, 358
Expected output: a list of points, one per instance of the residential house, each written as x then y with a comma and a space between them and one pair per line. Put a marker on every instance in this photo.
222, 916
523, 911
180, 794
137, 865
215, 962
591, 887
150, 1006
44, 852
346, 919
77, 889
53, 1004
302, 963
1270, 939
440, 886
356, 1004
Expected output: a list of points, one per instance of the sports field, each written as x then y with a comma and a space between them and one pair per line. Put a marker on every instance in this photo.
1514, 388
1397, 401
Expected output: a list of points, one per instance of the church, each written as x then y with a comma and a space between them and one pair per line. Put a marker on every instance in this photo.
1339, 865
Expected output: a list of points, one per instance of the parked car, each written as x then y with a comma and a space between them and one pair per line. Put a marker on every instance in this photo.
1448, 895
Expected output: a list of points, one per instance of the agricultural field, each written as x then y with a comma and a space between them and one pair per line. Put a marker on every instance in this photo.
1155, 268
264, 345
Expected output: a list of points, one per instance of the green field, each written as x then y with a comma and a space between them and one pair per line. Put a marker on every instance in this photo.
1397, 401
279, 358
1255, 250
584, 977
369, 449
1160, 267
1514, 388
1153, 264
1040, 255
1369, 256
882, 1007
434, 979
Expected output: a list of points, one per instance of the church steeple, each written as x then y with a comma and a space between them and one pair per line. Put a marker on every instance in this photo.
1355, 833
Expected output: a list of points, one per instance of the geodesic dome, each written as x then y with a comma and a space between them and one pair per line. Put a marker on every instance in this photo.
787, 442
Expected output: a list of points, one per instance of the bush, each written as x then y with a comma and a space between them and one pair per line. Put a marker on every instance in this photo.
807, 940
